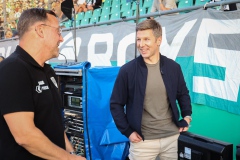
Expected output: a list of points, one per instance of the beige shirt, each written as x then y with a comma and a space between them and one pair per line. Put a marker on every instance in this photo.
157, 115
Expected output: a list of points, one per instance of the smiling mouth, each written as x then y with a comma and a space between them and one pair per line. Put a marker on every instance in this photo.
143, 50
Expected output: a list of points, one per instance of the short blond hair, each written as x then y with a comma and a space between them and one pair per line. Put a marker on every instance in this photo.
150, 24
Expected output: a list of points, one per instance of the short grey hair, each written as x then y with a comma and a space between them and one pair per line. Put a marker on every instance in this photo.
31, 16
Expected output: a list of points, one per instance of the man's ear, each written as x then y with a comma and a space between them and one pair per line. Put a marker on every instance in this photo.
39, 31
159, 40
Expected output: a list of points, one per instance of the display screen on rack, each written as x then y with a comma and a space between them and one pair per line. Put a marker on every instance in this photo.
75, 101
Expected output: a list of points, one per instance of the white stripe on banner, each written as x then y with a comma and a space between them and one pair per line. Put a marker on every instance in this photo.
229, 87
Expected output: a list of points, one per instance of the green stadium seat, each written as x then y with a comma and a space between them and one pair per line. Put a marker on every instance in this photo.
104, 18
128, 13
141, 11
147, 3
115, 16
115, 9
94, 19
88, 14
84, 21
79, 17
97, 12
68, 24
78, 23
125, 7
105, 10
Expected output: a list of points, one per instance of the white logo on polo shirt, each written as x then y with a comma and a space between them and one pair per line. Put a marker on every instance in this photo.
54, 81
40, 87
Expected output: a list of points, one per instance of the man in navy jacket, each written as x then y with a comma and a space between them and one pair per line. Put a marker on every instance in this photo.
149, 87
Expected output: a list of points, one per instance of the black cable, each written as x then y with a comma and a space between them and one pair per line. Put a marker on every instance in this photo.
64, 57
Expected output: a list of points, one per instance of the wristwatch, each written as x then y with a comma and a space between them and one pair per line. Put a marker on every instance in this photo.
189, 117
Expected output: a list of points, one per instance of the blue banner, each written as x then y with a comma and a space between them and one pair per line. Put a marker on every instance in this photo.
105, 141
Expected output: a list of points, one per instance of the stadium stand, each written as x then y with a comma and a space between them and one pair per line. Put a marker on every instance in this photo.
110, 10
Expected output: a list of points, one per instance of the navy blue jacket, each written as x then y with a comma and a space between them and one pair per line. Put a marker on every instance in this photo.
129, 90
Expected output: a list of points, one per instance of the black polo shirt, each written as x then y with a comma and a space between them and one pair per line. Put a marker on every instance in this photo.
26, 86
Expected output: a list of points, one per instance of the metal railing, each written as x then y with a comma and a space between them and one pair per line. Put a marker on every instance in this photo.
155, 14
